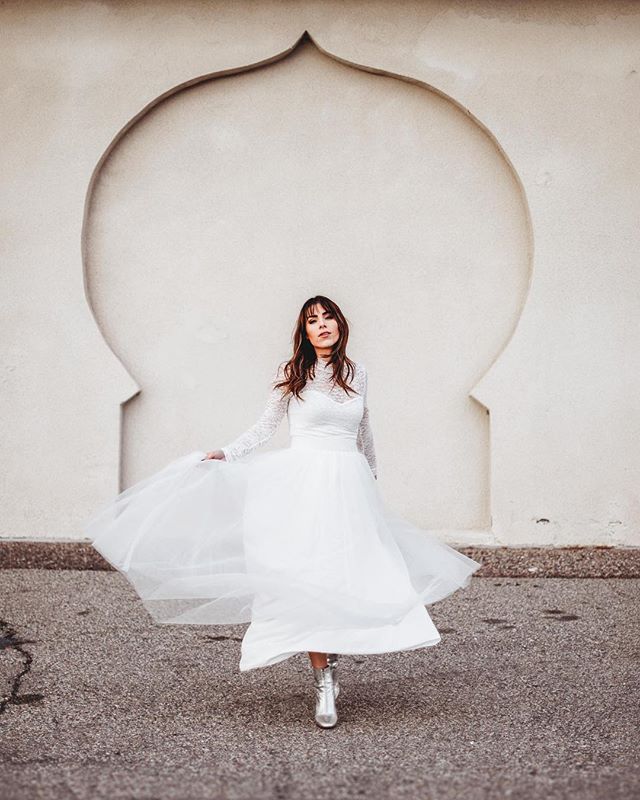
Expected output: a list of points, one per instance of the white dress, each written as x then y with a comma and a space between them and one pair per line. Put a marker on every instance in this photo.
297, 540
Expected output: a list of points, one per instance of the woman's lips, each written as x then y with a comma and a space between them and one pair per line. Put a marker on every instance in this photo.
324, 334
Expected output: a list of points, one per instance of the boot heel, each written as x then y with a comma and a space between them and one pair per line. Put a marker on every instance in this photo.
326, 714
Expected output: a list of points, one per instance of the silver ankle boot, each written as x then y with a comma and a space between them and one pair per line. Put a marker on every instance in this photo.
326, 714
332, 659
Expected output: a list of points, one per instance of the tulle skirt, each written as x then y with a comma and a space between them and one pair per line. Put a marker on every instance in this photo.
296, 541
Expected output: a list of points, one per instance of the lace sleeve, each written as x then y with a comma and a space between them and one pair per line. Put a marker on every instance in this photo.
262, 430
365, 434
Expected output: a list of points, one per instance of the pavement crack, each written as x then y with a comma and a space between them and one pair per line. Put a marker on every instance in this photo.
9, 640
223, 638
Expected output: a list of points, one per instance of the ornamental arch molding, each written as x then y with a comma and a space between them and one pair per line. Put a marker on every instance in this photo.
230, 198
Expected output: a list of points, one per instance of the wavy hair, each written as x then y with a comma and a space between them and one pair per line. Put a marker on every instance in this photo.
302, 364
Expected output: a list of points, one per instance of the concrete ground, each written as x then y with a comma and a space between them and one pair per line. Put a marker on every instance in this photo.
533, 692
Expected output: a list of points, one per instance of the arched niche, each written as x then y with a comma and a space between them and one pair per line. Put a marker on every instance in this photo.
230, 199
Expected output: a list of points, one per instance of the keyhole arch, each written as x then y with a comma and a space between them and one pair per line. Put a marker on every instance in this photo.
301, 48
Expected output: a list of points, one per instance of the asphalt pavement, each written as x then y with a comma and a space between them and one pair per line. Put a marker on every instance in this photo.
533, 692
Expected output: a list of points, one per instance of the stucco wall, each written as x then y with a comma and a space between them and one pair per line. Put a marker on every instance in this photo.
179, 178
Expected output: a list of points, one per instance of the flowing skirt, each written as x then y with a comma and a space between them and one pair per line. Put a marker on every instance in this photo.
296, 541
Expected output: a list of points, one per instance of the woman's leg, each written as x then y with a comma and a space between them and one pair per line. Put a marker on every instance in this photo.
318, 660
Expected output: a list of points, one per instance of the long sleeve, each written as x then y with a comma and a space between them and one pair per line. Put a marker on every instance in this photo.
365, 434
262, 430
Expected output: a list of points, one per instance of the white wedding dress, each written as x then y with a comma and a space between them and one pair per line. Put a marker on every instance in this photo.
297, 541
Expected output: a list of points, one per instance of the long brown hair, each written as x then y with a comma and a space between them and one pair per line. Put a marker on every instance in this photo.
302, 364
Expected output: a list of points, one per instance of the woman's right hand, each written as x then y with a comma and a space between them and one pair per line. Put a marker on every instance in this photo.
215, 454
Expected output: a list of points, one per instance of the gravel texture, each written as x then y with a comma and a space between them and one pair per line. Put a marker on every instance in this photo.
532, 692
513, 562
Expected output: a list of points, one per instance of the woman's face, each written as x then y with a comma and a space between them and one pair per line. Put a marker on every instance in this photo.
322, 329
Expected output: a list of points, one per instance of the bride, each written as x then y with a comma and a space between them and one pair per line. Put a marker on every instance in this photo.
297, 540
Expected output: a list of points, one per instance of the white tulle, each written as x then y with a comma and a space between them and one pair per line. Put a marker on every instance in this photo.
297, 541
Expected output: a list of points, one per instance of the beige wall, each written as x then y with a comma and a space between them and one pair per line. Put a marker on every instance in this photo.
463, 181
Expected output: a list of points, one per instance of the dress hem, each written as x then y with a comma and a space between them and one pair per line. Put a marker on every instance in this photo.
276, 659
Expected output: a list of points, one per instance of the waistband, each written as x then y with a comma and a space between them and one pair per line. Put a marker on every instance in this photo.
301, 442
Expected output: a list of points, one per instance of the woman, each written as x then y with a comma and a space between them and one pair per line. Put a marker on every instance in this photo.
297, 541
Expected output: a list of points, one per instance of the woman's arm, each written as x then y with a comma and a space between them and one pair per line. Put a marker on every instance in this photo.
265, 427
365, 434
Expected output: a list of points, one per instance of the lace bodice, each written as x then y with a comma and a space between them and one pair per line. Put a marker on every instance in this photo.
277, 406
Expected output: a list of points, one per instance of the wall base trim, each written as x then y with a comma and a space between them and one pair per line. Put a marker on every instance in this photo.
498, 561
